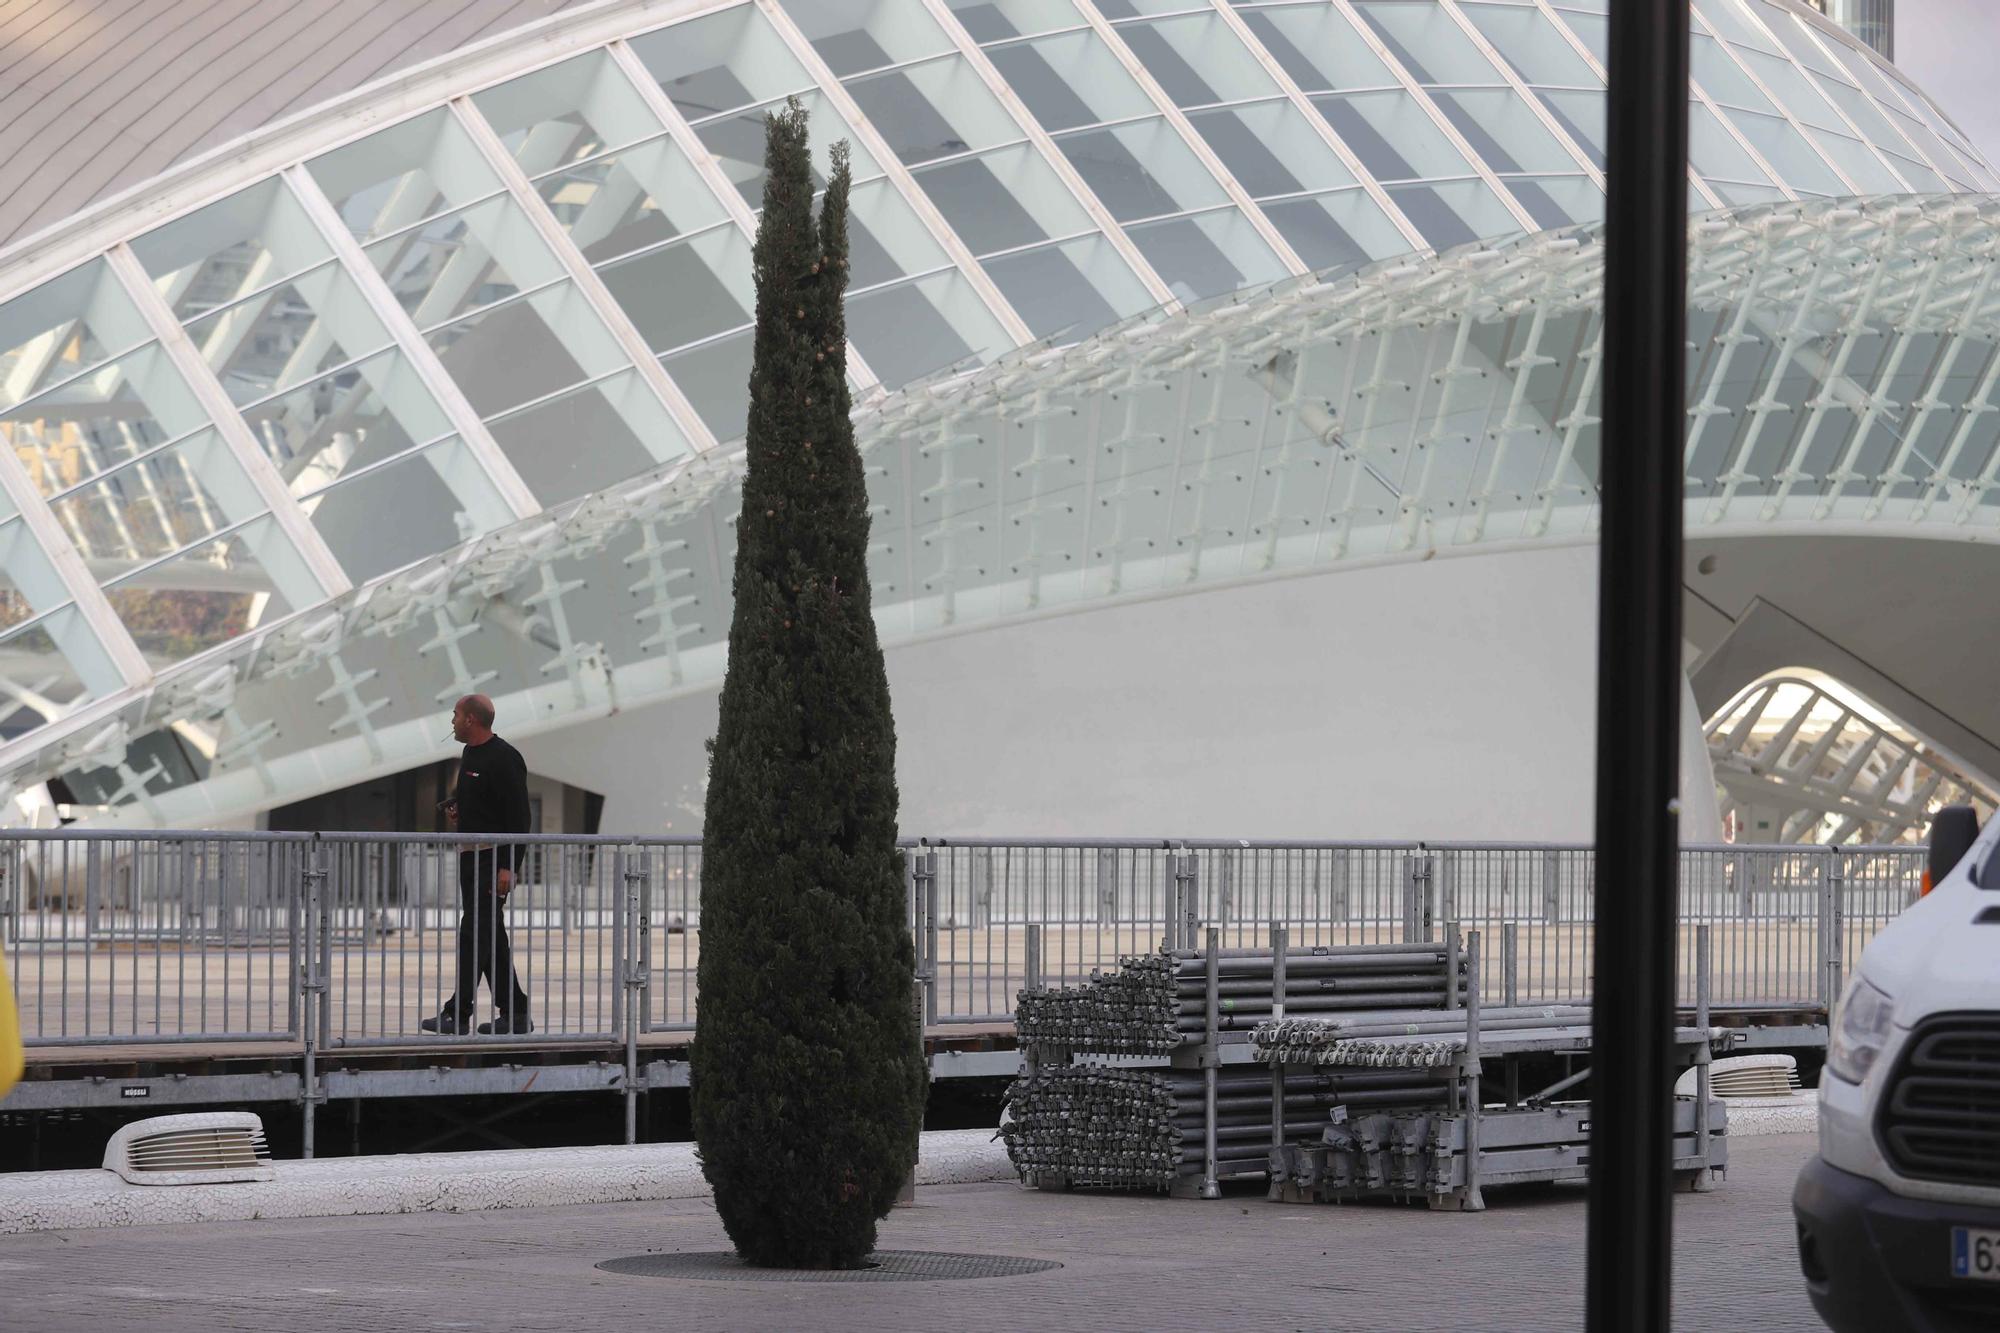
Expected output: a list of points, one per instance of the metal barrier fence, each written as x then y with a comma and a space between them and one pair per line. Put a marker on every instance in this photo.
348, 940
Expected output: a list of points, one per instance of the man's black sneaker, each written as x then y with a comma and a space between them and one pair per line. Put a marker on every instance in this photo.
448, 1023
518, 1026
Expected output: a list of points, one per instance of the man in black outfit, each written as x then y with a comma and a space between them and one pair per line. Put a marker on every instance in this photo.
492, 797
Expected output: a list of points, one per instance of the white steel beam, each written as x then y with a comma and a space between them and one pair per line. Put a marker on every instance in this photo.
83, 591
514, 492
1303, 105
229, 424
699, 437
712, 175
1057, 160
1438, 118
1190, 136
892, 166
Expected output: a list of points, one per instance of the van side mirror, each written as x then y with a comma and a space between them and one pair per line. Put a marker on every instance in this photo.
1953, 831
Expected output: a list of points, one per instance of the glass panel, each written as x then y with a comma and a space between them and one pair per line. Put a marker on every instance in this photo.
1142, 170
404, 174
1209, 255
918, 327
1529, 42
80, 320
1557, 201
465, 260
29, 584
1724, 20
510, 354
100, 419
686, 291
1733, 194
289, 333
352, 418
1789, 154
886, 239
554, 116
416, 507
935, 109
1426, 42
1197, 60
1715, 152
1793, 36
231, 248
1721, 78
1393, 136
211, 594
1867, 117
721, 62
1870, 174
1594, 31
590, 439
1319, 49
1921, 178
1504, 131
1071, 79
998, 20
738, 145
715, 377
1007, 198
1451, 213
49, 668
627, 201
157, 505
1794, 91
1071, 290
1271, 149
853, 35
1582, 117
1337, 230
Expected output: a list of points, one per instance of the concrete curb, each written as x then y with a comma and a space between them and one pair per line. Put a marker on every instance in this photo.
428, 1182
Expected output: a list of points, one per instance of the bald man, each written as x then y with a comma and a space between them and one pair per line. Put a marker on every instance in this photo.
492, 797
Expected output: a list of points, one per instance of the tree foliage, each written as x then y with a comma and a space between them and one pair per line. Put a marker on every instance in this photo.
808, 1072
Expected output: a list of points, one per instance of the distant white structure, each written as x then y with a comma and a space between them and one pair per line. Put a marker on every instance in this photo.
1183, 345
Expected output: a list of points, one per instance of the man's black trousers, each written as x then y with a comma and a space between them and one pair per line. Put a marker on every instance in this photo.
484, 951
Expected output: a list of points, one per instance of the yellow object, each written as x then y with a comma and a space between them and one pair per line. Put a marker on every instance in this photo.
10, 1034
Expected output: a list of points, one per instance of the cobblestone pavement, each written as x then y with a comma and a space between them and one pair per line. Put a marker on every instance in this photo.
1129, 1263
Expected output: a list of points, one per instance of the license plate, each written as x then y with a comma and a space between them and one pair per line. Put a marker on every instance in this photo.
1975, 1254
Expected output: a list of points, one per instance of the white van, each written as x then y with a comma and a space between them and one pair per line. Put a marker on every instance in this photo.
1899, 1215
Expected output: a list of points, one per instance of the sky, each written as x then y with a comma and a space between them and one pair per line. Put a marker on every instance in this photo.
1950, 49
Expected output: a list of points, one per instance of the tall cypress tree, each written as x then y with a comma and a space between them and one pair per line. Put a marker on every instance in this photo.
808, 1074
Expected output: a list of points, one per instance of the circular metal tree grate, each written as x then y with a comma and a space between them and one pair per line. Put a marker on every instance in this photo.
885, 1266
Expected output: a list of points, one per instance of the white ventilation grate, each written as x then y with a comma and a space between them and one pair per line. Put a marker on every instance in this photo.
1737, 1076
212, 1148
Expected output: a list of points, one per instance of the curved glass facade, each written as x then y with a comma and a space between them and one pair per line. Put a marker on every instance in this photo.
355, 391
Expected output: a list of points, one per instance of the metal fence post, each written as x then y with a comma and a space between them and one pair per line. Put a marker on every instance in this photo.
1211, 1062
1510, 943
312, 991
1419, 901
1032, 979
1831, 924
634, 980
924, 888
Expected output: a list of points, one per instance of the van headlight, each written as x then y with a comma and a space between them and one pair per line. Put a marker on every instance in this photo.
1861, 1027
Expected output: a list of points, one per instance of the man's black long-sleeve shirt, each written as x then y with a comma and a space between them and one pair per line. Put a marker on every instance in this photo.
493, 793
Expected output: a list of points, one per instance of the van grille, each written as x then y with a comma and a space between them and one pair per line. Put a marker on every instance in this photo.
1941, 1119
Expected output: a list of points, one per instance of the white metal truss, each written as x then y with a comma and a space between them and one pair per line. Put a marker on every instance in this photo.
1196, 144
221, 412
1051, 155
1804, 759
478, 441
1303, 105
661, 384
1437, 117
711, 175
842, 101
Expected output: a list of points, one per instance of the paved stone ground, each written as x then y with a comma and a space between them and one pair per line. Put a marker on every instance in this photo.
1130, 1263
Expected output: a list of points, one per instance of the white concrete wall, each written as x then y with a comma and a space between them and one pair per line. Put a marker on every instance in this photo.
1448, 699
